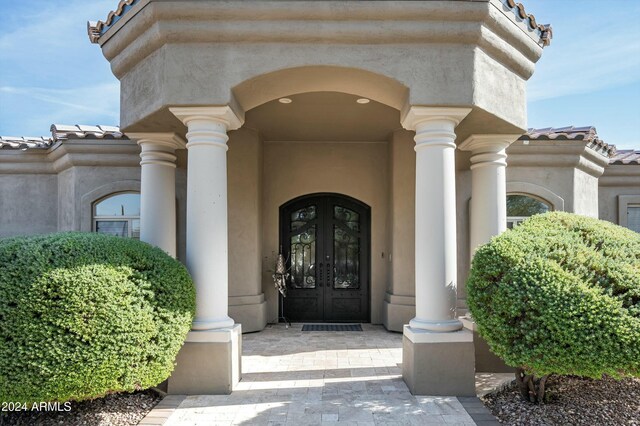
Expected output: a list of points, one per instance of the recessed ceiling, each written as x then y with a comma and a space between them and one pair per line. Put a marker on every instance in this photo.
323, 116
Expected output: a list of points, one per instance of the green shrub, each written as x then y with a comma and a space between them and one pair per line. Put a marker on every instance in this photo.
560, 294
83, 315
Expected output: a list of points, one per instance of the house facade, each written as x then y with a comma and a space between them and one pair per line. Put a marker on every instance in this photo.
374, 145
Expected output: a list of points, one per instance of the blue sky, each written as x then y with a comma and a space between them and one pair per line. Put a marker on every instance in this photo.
590, 75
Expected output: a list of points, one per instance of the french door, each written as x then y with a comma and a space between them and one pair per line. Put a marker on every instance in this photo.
325, 239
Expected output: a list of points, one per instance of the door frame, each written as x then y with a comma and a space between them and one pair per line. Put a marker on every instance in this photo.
367, 246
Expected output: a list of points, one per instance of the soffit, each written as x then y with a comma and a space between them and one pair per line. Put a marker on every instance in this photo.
323, 116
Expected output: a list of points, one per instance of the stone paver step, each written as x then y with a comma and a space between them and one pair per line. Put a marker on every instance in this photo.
290, 377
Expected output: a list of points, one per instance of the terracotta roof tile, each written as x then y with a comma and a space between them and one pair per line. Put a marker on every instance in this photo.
626, 156
546, 32
61, 132
96, 29
24, 142
587, 133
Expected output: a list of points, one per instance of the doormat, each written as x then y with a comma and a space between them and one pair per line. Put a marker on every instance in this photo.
331, 327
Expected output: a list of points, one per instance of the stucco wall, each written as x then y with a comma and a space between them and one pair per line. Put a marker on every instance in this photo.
28, 204
463, 197
617, 180
403, 208
559, 181
244, 170
92, 183
359, 170
585, 194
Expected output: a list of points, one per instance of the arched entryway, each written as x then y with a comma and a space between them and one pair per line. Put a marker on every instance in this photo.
326, 241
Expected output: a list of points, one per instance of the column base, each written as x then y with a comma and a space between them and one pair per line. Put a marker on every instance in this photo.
397, 311
209, 363
486, 361
444, 326
250, 311
438, 364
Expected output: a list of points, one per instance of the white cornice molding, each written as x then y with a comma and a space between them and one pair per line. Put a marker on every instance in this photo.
224, 114
415, 115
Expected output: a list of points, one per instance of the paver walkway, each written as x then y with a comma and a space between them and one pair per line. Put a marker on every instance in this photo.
297, 378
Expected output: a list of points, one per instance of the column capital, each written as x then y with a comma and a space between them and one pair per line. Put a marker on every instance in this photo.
413, 116
488, 149
154, 140
488, 143
220, 114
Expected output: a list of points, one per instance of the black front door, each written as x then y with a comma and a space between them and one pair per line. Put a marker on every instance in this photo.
325, 238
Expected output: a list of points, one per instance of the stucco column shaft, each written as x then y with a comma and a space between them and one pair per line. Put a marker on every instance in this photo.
207, 226
436, 260
158, 189
488, 186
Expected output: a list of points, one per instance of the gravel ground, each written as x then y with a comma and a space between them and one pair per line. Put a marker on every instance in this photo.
112, 410
573, 401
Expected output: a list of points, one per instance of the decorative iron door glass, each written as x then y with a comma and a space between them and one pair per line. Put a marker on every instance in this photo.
325, 238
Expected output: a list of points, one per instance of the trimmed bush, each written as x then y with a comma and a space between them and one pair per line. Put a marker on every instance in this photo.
83, 315
560, 294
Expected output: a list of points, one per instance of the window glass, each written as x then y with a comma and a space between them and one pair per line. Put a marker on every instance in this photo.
119, 205
523, 206
633, 217
118, 215
119, 228
135, 229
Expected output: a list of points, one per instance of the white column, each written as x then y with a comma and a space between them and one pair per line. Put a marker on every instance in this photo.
488, 186
158, 188
436, 265
207, 235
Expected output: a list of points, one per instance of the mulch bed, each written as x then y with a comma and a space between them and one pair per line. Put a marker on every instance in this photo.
112, 410
572, 401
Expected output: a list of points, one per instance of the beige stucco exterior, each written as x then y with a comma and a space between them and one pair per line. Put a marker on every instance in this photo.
444, 90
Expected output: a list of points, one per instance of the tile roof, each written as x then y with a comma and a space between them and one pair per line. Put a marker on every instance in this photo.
61, 132
546, 32
587, 133
95, 29
626, 156
24, 143
79, 131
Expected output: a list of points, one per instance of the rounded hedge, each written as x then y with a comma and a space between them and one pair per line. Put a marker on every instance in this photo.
560, 294
83, 315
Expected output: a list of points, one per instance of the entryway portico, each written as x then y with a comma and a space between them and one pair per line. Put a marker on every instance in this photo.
450, 75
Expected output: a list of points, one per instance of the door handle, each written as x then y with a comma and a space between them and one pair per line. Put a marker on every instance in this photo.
320, 274
328, 274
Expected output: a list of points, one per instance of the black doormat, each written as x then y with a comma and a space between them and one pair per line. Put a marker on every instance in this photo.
331, 327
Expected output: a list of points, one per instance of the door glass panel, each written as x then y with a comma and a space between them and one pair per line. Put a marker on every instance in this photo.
119, 228
301, 217
303, 258
346, 259
349, 217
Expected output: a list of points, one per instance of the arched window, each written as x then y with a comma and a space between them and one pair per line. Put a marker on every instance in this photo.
520, 207
118, 215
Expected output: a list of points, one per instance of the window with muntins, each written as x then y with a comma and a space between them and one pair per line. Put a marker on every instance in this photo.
118, 215
521, 207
